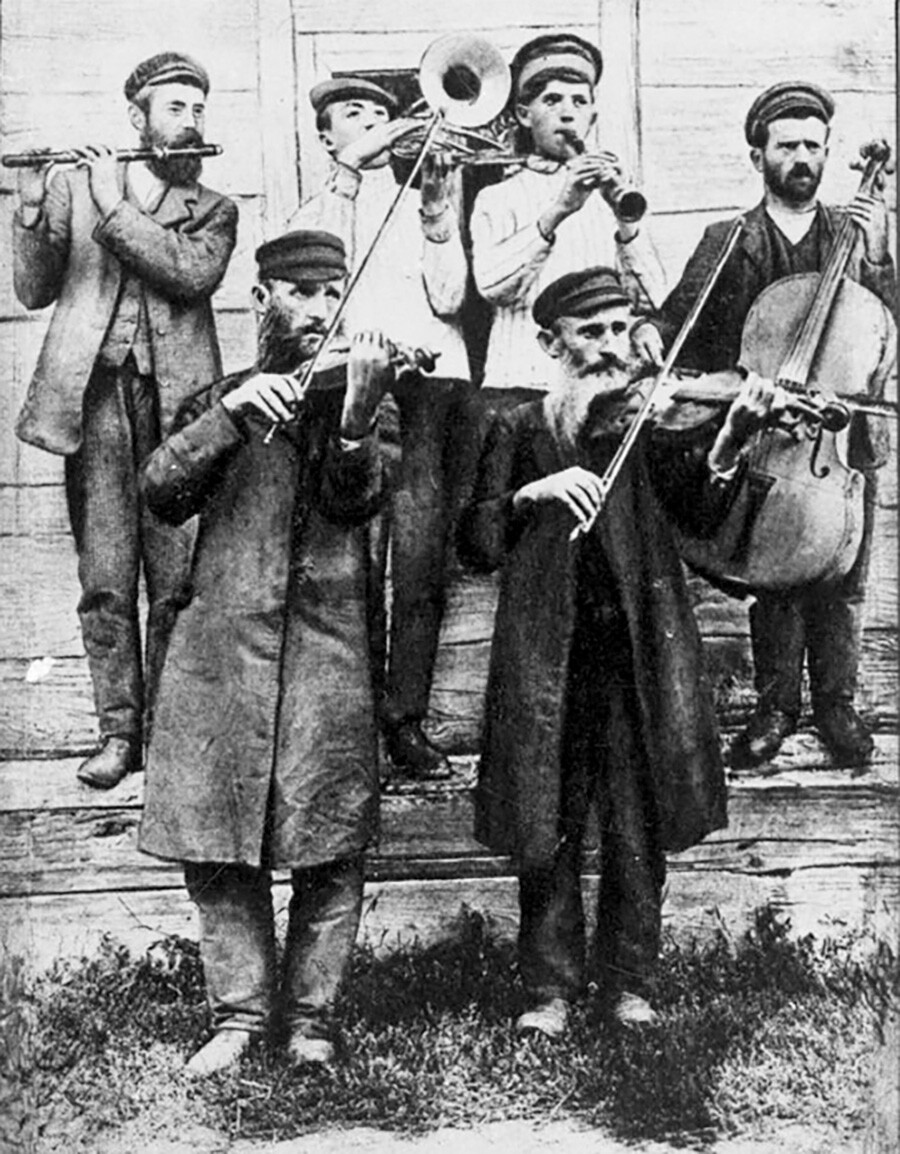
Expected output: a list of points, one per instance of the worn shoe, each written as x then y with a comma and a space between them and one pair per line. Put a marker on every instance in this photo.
222, 1052
844, 732
116, 758
413, 754
550, 1018
304, 1051
632, 1010
762, 738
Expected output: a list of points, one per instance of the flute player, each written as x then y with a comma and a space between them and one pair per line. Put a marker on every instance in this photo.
131, 255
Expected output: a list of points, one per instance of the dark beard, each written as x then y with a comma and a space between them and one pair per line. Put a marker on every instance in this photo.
279, 347
789, 189
177, 170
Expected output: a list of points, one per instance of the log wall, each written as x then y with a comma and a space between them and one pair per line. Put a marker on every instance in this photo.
678, 79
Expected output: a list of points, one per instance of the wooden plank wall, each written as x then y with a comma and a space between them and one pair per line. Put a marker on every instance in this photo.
678, 79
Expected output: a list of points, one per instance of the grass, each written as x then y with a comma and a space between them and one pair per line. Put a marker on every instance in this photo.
763, 1030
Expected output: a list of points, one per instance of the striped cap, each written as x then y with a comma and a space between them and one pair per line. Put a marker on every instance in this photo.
166, 68
791, 98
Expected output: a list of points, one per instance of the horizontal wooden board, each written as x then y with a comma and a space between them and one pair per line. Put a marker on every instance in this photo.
80, 46
54, 717
825, 902
432, 17
774, 829
36, 511
50, 784
705, 43
695, 157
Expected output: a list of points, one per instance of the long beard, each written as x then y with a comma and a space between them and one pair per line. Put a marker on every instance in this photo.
177, 170
577, 401
279, 347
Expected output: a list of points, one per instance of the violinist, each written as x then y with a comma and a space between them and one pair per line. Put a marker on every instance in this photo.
596, 693
412, 289
791, 231
551, 218
264, 751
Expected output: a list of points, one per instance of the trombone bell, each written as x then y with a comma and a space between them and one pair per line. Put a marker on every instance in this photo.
465, 78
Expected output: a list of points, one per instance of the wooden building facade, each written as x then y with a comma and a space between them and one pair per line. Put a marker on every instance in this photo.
679, 76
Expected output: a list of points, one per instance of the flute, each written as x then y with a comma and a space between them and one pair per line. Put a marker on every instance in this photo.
38, 158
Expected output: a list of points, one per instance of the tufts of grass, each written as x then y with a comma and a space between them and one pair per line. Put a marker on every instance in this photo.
755, 1032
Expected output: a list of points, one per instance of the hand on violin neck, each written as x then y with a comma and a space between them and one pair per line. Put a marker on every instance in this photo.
870, 214
759, 402
368, 375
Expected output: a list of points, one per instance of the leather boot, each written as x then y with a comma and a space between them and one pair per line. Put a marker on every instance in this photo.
844, 732
550, 1018
221, 1053
762, 738
114, 760
413, 754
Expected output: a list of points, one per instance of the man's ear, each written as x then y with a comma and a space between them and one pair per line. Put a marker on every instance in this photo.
261, 295
756, 159
138, 117
523, 115
550, 343
327, 140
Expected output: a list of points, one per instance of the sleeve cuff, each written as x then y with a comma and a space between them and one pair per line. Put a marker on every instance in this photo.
344, 180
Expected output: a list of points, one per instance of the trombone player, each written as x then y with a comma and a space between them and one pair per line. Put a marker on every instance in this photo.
412, 290
550, 218
131, 257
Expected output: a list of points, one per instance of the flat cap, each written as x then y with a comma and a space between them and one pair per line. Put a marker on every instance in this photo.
556, 50
302, 255
346, 88
790, 98
166, 68
578, 294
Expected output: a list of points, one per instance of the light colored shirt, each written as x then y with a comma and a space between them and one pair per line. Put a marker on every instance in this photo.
513, 263
414, 283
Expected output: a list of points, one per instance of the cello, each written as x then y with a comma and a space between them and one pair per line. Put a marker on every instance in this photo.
798, 516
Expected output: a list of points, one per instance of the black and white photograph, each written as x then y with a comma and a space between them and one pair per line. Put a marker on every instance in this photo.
448, 577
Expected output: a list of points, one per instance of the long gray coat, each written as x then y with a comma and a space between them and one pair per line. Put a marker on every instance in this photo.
521, 770
180, 253
265, 700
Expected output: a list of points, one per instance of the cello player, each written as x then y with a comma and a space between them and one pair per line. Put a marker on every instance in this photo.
791, 231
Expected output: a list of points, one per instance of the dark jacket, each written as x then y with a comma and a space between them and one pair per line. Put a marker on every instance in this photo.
521, 771
265, 700
715, 342
73, 257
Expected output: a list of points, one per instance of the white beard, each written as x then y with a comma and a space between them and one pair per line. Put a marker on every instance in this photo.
568, 402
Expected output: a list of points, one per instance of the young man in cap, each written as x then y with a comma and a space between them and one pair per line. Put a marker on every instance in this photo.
131, 254
551, 218
596, 692
263, 754
412, 289
791, 231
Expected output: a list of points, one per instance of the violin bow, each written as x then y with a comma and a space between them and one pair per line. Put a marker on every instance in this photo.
627, 443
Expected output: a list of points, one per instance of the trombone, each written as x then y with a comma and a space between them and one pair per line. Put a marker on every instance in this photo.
465, 82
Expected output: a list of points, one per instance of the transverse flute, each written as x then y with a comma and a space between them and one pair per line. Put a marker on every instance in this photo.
38, 158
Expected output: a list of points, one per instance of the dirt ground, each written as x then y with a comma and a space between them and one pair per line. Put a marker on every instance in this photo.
555, 1137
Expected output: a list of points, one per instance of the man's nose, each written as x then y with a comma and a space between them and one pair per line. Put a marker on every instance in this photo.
316, 306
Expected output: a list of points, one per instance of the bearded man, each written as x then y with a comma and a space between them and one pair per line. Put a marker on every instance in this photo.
596, 692
132, 255
551, 218
787, 128
263, 754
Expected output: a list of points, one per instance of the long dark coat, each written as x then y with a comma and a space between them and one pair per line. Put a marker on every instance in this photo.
265, 704
521, 770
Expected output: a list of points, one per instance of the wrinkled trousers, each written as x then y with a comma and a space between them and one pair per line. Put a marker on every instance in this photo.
604, 764
116, 536
237, 942
431, 481
821, 624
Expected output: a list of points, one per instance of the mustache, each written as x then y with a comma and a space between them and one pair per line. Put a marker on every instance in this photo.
281, 348
801, 169
607, 362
